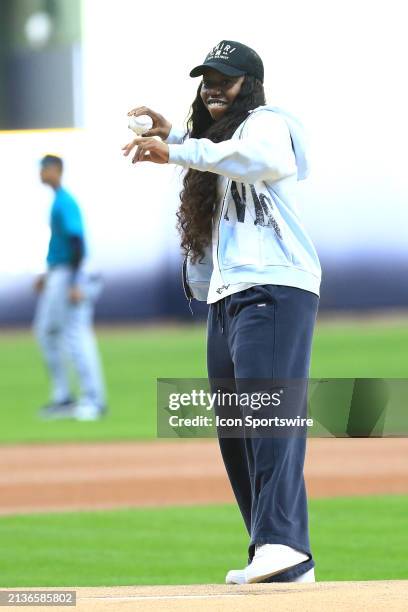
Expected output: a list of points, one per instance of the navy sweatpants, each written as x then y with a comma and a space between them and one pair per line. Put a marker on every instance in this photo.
265, 332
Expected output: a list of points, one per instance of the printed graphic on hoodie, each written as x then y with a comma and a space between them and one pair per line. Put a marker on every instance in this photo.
262, 206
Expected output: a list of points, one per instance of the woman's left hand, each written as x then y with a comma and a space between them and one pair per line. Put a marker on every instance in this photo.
148, 149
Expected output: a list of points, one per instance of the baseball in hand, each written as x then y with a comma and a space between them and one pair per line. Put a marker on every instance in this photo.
139, 125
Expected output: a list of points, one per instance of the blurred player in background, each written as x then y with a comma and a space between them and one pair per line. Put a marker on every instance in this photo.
64, 314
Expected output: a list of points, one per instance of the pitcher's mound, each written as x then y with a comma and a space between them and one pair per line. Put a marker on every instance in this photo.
388, 596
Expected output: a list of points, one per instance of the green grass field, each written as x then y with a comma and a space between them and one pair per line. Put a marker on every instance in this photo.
135, 357
352, 539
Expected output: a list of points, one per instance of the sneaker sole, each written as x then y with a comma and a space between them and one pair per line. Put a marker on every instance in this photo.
269, 575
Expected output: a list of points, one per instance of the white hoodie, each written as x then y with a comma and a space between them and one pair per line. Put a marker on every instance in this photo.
257, 236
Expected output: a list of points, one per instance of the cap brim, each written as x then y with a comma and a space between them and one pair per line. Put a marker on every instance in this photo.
220, 66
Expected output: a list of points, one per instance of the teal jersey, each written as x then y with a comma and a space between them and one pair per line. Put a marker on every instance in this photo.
66, 222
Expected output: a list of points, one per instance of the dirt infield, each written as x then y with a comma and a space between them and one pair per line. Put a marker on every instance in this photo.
89, 476
389, 596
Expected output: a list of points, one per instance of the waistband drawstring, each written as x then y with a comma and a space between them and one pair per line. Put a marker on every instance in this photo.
220, 314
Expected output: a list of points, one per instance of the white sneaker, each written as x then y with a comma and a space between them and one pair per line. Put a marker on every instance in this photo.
271, 559
240, 576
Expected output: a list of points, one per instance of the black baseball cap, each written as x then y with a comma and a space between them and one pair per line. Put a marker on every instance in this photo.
233, 59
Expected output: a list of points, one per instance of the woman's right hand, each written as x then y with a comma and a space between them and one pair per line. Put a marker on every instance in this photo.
161, 127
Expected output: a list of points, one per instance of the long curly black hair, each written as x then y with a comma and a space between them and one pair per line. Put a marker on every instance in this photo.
198, 197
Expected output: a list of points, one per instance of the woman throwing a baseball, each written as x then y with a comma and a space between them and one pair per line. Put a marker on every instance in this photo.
249, 256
